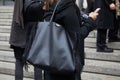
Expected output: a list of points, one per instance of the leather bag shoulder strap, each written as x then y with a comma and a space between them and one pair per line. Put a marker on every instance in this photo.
51, 19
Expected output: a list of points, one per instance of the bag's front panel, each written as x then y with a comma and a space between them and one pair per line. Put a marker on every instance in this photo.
51, 49
40, 45
61, 49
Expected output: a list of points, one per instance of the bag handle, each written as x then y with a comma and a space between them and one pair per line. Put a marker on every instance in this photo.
51, 19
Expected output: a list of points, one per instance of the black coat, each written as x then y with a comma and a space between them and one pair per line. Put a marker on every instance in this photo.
67, 14
33, 13
105, 18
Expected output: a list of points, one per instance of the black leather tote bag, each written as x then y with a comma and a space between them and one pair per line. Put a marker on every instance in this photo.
52, 48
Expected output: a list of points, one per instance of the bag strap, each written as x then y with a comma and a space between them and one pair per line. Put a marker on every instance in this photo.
51, 19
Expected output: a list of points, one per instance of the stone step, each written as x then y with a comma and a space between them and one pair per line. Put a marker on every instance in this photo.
8, 56
5, 23
6, 9
93, 76
7, 2
92, 34
91, 42
6, 16
9, 70
5, 46
4, 36
92, 66
85, 76
90, 53
114, 45
5, 33
10, 77
89, 39
102, 67
8, 27
6, 20
5, 29
96, 62
95, 66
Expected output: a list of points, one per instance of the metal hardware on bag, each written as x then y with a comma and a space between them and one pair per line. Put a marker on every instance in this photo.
58, 25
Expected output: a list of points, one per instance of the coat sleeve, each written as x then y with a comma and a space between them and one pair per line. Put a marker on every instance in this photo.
32, 5
88, 25
71, 21
33, 10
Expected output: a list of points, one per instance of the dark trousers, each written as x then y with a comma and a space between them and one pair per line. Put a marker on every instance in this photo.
80, 4
113, 33
90, 6
19, 66
101, 37
51, 76
54, 76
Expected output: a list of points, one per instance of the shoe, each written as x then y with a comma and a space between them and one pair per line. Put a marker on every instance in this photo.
104, 49
114, 40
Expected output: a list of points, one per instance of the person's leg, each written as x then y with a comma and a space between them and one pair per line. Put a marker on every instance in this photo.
113, 33
18, 52
90, 6
80, 4
18, 69
101, 41
101, 37
37, 73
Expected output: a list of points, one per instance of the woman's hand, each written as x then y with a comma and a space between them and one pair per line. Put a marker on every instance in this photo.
112, 6
94, 14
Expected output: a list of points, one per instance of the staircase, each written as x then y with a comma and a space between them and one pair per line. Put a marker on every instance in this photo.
99, 66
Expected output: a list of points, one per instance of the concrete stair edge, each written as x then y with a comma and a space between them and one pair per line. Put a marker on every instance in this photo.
85, 76
93, 76
113, 57
89, 67
93, 45
103, 67
11, 77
